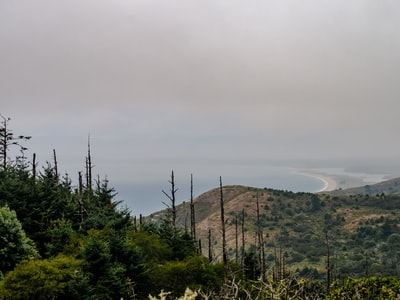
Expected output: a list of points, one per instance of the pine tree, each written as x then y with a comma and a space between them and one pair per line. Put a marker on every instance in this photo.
14, 244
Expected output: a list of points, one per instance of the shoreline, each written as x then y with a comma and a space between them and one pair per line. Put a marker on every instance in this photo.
335, 181
330, 183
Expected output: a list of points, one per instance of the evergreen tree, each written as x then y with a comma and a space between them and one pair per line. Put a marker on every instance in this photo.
14, 244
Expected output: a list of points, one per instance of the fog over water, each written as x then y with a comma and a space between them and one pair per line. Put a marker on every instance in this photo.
227, 88
145, 196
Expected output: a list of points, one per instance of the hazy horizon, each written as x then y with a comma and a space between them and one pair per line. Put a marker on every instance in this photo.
183, 84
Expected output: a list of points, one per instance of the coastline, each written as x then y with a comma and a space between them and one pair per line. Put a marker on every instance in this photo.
335, 181
330, 183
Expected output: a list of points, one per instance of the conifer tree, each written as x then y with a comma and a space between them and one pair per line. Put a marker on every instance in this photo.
14, 244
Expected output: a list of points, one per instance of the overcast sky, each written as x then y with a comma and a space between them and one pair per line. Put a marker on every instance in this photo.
176, 83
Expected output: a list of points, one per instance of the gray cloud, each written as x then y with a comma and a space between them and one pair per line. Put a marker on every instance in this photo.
208, 79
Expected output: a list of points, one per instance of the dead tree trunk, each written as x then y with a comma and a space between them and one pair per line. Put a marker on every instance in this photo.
200, 250
55, 166
236, 240
192, 212
279, 270
171, 197
7, 140
80, 183
224, 255
260, 242
210, 256
34, 167
89, 168
243, 243
328, 263
80, 198
4, 135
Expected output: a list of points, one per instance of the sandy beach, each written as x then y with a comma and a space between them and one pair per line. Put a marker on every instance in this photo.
330, 183
337, 180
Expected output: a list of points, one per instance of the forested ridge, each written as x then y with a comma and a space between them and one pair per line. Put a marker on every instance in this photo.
362, 229
64, 241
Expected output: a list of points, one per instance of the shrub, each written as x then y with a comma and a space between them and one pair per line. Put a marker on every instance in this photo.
43, 279
367, 288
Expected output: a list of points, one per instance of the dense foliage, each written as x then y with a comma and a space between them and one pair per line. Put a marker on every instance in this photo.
14, 244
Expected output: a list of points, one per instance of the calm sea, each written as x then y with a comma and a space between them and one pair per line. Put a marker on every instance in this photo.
146, 196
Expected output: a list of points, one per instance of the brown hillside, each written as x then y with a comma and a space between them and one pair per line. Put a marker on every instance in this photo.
298, 223
391, 186
236, 199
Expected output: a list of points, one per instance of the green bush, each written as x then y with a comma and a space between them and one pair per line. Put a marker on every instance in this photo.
380, 288
194, 272
56, 278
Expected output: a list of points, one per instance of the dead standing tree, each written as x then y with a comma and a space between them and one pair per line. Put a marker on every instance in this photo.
192, 214
7, 139
243, 244
197, 244
172, 198
260, 241
279, 269
210, 251
89, 168
224, 254
82, 211
34, 166
56, 174
236, 239
85, 192
328, 262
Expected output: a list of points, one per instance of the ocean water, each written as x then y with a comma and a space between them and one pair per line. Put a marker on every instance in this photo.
146, 196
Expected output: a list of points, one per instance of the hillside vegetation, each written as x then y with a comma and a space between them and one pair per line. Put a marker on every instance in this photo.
361, 229
60, 241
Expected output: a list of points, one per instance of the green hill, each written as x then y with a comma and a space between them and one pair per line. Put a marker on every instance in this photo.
361, 229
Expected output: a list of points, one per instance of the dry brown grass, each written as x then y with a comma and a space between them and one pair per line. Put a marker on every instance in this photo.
354, 216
